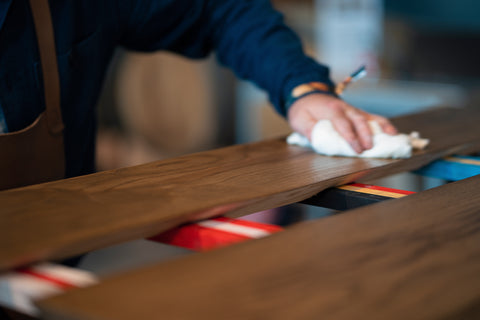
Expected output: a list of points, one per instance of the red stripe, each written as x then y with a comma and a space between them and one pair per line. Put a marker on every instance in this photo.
201, 238
210, 239
368, 186
58, 282
198, 238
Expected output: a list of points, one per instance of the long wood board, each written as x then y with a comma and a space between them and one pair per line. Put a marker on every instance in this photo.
64, 218
416, 257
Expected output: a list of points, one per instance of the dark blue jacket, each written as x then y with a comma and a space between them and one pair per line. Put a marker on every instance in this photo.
247, 35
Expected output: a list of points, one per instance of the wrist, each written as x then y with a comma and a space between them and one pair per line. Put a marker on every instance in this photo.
306, 89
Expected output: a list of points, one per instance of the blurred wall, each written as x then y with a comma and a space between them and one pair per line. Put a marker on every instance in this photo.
161, 105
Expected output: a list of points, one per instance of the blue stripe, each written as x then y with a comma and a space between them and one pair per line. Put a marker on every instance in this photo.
451, 171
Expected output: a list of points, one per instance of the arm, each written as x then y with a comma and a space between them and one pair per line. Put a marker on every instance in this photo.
248, 36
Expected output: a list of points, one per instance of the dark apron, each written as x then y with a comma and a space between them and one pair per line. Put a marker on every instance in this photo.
36, 154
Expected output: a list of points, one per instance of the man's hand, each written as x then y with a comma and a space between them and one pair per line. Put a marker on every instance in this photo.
350, 122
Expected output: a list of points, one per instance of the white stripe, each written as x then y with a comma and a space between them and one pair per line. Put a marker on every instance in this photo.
18, 290
75, 277
23, 289
234, 228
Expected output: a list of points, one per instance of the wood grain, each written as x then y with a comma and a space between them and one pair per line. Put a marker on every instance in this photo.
416, 257
64, 218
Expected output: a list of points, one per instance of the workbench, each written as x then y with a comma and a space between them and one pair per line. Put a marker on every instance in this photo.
413, 257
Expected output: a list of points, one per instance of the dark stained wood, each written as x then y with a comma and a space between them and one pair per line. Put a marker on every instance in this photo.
64, 218
416, 257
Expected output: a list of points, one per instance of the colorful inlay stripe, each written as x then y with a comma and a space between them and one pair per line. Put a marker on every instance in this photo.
471, 161
376, 190
215, 233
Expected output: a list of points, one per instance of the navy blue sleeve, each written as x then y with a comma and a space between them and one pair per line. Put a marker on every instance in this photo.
248, 36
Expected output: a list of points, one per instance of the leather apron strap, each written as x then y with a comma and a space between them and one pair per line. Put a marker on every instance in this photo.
46, 44
36, 154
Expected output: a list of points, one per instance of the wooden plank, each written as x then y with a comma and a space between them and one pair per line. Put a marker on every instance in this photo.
411, 258
64, 218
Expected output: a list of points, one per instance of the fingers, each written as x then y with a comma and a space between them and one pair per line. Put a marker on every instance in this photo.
351, 123
362, 128
345, 128
385, 124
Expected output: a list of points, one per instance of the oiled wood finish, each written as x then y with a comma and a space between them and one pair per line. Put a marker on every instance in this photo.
64, 218
416, 257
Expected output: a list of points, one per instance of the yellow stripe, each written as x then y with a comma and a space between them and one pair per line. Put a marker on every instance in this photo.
372, 191
465, 161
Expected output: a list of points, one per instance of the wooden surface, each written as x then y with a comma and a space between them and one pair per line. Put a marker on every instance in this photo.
416, 257
73, 216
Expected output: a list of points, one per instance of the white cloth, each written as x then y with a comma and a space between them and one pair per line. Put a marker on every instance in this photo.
327, 141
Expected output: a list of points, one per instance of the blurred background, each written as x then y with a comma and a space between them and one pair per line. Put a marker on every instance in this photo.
419, 54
